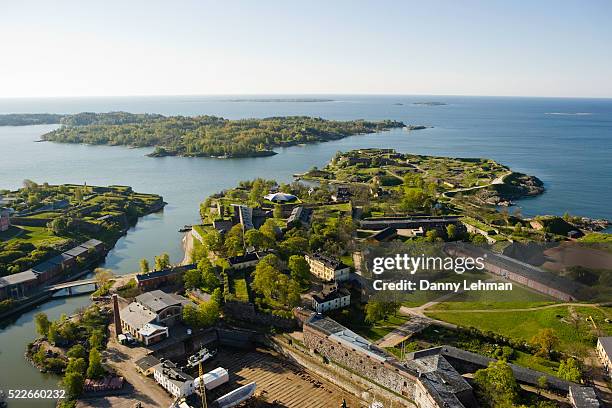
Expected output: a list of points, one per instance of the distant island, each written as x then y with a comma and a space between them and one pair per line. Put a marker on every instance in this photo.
430, 103
200, 136
297, 100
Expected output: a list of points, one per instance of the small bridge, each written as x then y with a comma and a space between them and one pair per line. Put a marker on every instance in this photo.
91, 285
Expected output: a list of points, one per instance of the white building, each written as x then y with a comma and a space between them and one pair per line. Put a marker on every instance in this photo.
150, 315
331, 299
327, 268
175, 381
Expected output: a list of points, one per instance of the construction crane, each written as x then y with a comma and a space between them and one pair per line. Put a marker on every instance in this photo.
202, 385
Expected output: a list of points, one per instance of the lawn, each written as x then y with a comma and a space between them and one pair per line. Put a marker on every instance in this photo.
380, 329
568, 322
239, 287
34, 235
518, 298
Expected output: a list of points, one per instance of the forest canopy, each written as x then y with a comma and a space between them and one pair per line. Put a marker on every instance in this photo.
206, 135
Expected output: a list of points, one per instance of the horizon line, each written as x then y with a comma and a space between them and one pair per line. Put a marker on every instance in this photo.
298, 94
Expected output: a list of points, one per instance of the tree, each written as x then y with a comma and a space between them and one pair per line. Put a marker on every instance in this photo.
95, 369
265, 279
73, 384
542, 382
496, 385
190, 315
96, 339
269, 229
42, 323
256, 239
204, 315
546, 340
518, 228
451, 232
192, 279
52, 334
162, 262
300, 270
278, 211
374, 311
76, 365
77, 351
144, 265
234, 240
569, 370
213, 241
208, 313
431, 235
103, 276
210, 281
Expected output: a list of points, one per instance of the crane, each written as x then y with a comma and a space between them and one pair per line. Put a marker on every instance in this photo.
202, 386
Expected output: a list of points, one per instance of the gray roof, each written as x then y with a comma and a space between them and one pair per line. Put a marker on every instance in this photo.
322, 297
606, 343
44, 267
60, 259
172, 373
92, 243
136, 316
328, 261
441, 379
157, 300
584, 397
522, 374
76, 251
18, 278
146, 362
340, 333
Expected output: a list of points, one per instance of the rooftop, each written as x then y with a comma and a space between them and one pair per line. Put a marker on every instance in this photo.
328, 261
351, 339
92, 243
146, 362
158, 300
150, 329
76, 251
584, 397
17, 278
606, 344
328, 296
136, 315
44, 267
172, 373
280, 197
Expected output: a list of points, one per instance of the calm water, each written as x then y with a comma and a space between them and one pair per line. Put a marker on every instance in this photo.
544, 137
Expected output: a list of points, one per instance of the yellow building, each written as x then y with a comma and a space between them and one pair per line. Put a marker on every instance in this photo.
604, 350
327, 268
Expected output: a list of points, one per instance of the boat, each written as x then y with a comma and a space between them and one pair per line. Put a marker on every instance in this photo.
186, 228
200, 357
237, 396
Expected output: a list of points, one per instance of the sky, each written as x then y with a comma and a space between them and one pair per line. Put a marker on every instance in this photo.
107, 48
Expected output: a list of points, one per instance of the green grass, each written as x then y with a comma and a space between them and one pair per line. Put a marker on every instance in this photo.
380, 329
535, 363
34, 235
238, 285
518, 298
524, 325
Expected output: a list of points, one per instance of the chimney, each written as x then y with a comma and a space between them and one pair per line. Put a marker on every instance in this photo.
116, 315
